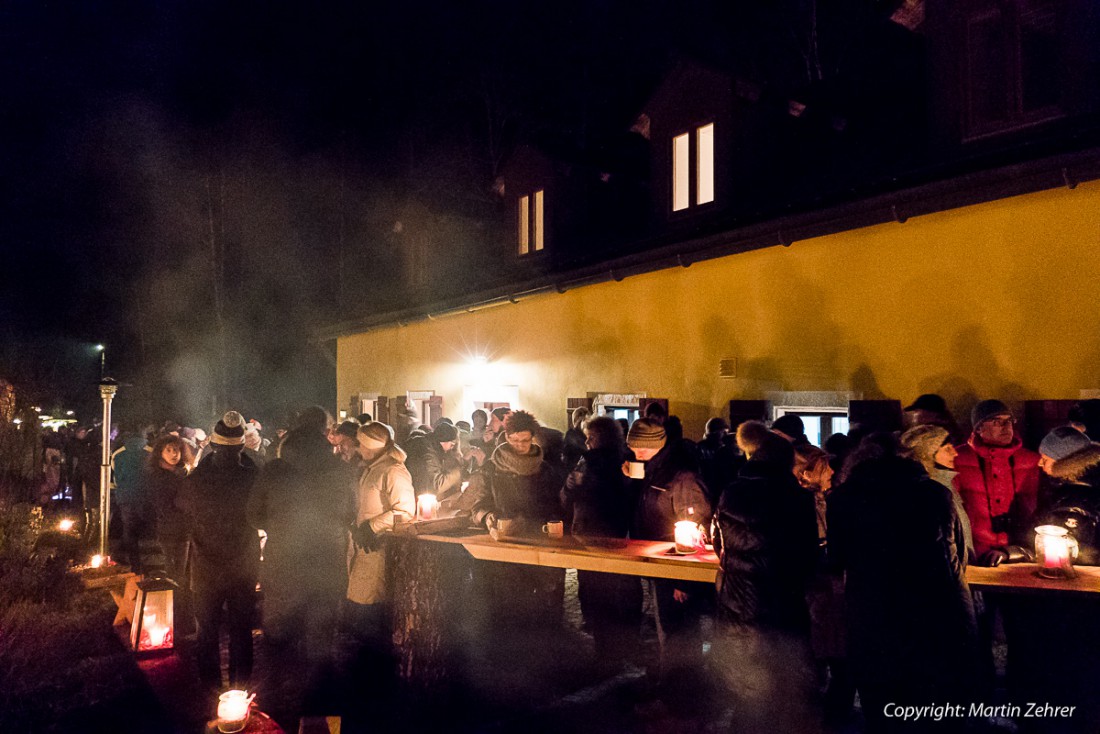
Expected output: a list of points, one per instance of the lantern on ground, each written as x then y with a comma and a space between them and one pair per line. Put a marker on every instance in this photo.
1055, 550
233, 710
153, 629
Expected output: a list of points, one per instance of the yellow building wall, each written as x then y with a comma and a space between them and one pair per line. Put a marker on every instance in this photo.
994, 300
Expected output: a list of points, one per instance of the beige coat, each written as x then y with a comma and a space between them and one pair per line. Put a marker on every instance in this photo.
385, 492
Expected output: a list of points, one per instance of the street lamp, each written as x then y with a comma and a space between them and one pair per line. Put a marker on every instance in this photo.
102, 360
107, 390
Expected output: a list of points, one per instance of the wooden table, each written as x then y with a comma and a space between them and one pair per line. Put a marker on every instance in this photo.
122, 585
652, 559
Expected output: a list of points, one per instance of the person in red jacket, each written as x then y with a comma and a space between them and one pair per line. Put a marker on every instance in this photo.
998, 481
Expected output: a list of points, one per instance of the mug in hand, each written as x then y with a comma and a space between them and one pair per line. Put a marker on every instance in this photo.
555, 529
636, 469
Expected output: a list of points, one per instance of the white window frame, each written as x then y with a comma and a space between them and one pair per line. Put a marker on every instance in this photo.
693, 160
531, 223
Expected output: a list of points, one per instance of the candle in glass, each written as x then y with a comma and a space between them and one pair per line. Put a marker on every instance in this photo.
426, 506
687, 536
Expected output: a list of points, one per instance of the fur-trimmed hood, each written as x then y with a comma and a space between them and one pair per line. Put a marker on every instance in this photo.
1081, 466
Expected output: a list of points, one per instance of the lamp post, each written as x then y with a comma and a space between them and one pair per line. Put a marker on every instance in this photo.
102, 360
107, 390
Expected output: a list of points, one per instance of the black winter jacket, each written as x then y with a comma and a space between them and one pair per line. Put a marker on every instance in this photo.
769, 548
1076, 504
215, 500
671, 491
597, 496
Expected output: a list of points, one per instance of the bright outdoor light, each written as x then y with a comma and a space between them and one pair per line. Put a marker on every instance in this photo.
66, 525
99, 347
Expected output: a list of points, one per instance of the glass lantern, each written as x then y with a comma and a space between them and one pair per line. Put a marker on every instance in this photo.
153, 629
1055, 550
233, 710
426, 507
689, 536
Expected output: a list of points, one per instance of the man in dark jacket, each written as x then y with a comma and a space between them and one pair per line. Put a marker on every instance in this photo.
304, 501
769, 552
912, 634
226, 551
597, 497
670, 491
435, 465
513, 495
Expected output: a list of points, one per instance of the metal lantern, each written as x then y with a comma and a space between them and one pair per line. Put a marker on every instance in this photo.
153, 628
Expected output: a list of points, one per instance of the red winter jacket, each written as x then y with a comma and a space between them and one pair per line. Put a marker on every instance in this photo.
995, 480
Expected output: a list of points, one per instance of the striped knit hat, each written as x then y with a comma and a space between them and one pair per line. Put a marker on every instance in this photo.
646, 434
229, 431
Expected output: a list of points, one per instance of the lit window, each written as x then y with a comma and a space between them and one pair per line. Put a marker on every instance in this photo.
536, 224
680, 172
690, 175
704, 159
524, 225
531, 229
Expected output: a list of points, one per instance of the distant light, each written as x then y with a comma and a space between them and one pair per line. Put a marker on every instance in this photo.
17, 421
97, 561
343, 415
37, 409
70, 412
66, 525
99, 347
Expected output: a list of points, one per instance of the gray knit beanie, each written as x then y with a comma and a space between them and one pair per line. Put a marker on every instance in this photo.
922, 442
1063, 441
646, 434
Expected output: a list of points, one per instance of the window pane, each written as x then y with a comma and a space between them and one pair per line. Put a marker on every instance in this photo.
538, 220
840, 424
704, 185
813, 428
680, 172
524, 225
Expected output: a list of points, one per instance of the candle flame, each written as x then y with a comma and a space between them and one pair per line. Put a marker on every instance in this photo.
97, 561
66, 525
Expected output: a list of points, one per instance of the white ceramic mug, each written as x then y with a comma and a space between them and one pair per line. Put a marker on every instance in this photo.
636, 469
554, 529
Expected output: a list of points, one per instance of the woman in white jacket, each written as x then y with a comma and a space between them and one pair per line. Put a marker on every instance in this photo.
385, 493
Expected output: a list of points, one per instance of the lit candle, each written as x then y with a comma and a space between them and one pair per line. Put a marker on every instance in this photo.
233, 710
688, 536
1056, 551
426, 506
97, 561
66, 525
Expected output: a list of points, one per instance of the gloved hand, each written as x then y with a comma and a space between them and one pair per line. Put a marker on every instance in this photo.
365, 537
490, 520
993, 557
1019, 554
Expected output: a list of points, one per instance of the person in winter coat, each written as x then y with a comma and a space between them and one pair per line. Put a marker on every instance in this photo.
912, 635
998, 481
930, 446
576, 437
127, 463
226, 551
513, 495
436, 467
669, 492
162, 480
719, 460
597, 498
1071, 458
384, 497
769, 553
304, 501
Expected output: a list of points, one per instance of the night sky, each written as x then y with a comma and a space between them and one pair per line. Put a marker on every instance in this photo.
154, 154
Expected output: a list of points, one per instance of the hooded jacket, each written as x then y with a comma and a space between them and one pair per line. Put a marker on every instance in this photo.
385, 493
996, 481
769, 542
1076, 504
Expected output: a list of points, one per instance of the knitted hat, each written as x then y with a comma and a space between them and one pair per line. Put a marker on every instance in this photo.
375, 435
646, 434
1063, 441
445, 432
929, 401
229, 431
922, 442
987, 409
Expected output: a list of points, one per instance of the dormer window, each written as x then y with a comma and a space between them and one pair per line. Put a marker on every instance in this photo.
693, 167
531, 231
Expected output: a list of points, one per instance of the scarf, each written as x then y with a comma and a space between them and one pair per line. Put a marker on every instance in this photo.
506, 459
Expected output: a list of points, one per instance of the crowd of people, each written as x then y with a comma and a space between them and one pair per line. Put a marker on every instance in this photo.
842, 568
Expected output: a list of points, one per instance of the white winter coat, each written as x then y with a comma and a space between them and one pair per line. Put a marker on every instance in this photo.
385, 492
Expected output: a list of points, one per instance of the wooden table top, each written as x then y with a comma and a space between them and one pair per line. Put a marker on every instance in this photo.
655, 559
